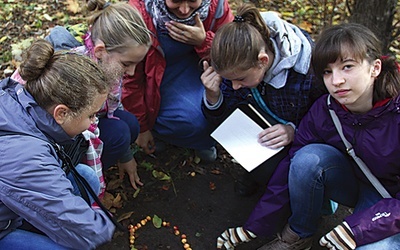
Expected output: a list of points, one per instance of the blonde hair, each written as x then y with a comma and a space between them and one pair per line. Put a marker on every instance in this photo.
61, 77
117, 25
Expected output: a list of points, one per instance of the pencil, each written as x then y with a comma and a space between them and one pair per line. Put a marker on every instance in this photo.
259, 115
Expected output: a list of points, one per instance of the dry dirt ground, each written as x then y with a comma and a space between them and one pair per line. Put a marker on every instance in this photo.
199, 199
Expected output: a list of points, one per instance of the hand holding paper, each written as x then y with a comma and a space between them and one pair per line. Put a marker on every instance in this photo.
238, 134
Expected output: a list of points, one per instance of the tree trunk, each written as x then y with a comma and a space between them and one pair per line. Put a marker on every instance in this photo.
378, 16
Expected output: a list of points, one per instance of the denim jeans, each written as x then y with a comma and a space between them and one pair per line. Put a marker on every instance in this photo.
90, 176
117, 136
22, 239
320, 172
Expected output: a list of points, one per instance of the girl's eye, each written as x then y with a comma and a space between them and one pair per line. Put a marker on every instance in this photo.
348, 66
326, 71
125, 64
92, 116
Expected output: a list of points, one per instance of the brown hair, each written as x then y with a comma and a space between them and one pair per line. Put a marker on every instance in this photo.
117, 25
335, 41
61, 77
236, 45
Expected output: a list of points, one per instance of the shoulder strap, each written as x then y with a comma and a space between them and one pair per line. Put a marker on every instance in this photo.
349, 148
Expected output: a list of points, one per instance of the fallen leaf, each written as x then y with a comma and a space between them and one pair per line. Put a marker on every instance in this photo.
47, 17
107, 200
147, 165
197, 160
159, 175
114, 184
136, 193
73, 6
3, 39
125, 216
157, 221
216, 171
117, 202
212, 186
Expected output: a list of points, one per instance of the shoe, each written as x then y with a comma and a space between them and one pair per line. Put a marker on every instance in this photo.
245, 185
288, 240
206, 155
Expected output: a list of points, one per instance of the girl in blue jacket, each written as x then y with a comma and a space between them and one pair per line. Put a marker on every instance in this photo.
60, 99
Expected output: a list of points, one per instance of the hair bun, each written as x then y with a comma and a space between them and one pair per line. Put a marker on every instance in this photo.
36, 58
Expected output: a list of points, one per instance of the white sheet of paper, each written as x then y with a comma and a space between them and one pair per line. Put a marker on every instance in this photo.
238, 134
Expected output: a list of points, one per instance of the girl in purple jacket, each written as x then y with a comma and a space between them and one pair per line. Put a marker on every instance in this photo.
364, 93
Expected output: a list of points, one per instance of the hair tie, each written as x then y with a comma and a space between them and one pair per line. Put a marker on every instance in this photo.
106, 4
238, 19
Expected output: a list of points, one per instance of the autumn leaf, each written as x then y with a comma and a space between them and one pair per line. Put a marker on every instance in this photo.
114, 184
159, 175
136, 193
147, 165
196, 160
117, 202
73, 6
125, 216
216, 171
107, 200
212, 186
3, 39
306, 26
157, 221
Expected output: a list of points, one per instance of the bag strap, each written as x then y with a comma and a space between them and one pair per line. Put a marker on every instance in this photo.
84, 186
261, 103
349, 148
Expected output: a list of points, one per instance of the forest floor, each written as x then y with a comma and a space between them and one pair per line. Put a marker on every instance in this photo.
197, 198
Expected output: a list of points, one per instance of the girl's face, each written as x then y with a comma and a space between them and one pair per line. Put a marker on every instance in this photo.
77, 124
351, 82
245, 79
118, 63
182, 8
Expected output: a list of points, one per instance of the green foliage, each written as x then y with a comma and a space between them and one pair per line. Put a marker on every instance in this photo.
159, 175
157, 221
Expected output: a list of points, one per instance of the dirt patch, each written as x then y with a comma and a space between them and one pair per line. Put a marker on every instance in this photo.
199, 200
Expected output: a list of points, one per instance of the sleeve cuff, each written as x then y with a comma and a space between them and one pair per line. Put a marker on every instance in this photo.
215, 105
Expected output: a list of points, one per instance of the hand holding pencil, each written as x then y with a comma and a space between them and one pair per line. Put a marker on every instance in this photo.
275, 136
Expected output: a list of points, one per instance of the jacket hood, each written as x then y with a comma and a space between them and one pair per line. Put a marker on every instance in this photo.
20, 114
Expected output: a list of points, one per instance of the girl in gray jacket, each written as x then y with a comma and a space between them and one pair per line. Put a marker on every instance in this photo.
62, 94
